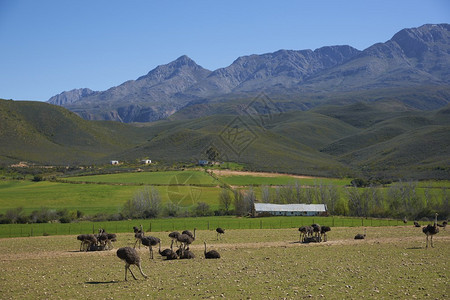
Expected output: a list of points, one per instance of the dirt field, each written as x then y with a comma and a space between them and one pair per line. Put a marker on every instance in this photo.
258, 174
392, 262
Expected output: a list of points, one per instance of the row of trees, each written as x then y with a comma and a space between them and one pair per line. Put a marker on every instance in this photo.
398, 200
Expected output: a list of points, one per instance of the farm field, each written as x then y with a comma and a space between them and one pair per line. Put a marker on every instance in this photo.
93, 198
189, 177
391, 262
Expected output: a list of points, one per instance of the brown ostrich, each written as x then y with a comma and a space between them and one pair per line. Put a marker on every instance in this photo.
211, 253
220, 231
431, 230
131, 257
174, 236
150, 241
138, 235
304, 231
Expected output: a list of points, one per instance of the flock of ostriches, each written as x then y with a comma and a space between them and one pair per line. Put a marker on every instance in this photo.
103, 241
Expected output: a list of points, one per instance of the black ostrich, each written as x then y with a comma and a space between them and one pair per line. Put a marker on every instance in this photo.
405, 220
443, 225
431, 230
323, 232
131, 257
360, 236
220, 231
211, 253
174, 236
169, 254
150, 241
416, 224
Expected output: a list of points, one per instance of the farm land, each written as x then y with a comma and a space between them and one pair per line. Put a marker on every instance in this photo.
260, 258
392, 262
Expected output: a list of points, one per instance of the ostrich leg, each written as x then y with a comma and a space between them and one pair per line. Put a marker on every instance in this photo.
127, 267
140, 269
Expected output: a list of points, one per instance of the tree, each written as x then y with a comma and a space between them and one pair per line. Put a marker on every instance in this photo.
145, 203
249, 201
212, 153
265, 194
225, 199
239, 204
202, 209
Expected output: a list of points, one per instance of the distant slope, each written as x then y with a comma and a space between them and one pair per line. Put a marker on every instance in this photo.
44, 133
382, 139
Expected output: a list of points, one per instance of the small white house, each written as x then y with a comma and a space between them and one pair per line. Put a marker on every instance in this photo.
114, 162
290, 209
146, 161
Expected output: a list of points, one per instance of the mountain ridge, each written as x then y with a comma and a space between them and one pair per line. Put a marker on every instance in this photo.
413, 57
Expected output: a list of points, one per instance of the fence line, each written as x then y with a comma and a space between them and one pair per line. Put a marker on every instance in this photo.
209, 223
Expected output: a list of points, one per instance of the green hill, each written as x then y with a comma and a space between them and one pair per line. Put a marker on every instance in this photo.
382, 138
48, 134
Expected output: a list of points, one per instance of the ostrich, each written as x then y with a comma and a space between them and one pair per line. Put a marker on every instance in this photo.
431, 230
360, 236
211, 253
186, 238
405, 220
174, 236
443, 225
323, 232
416, 224
190, 233
185, 253
304, 231
316, 230
150, 241
220, 231
138, 235
169, 254
131, 257
87, 241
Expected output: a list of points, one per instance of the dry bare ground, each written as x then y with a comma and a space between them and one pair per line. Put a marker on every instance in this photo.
392, 262
258, 174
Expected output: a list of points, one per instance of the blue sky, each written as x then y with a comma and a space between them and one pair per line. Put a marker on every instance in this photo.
50, 46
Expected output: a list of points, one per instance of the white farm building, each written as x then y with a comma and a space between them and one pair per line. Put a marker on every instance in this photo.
290, 209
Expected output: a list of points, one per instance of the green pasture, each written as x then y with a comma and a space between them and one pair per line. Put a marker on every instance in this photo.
247, 180
201, 223
190, 177
93, 198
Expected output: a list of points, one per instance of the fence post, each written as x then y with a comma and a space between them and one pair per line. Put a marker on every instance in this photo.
362, 221
208, 224
31, 230
93, 228
260, 224
150, 226
333, 221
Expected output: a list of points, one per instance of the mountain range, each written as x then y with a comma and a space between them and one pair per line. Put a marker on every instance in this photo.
413, 61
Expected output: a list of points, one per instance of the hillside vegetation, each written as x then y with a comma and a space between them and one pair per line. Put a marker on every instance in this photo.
379, 139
